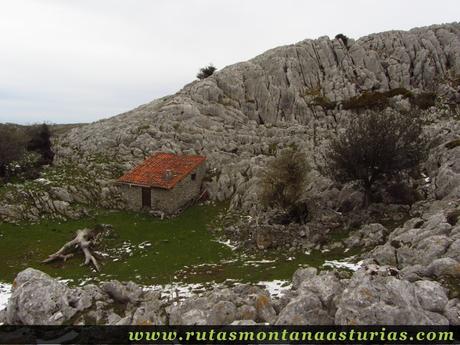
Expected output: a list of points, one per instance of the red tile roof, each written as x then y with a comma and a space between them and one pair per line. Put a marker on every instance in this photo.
153, 171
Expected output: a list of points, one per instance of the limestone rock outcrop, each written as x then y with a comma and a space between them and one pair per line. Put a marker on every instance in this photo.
374, 294
291, 95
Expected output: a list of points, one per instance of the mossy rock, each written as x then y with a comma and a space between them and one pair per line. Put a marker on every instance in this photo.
272, 149
399, 91
380, 100
367, 100
375, 100
313, 92
323, 102
453, 217
424, 100
452, 144
456, 81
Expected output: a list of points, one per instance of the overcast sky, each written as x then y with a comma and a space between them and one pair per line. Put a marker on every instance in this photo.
66, 61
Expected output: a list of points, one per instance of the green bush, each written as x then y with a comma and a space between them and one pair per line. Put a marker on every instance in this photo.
23, 150
367, 100
399, 91
206, 71
374, 100
40, 142
324, 102
380, 100
456, 81
27, 167
402, 193
283, 183
424, 100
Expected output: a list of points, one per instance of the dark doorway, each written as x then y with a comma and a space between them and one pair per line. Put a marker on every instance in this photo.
146, 198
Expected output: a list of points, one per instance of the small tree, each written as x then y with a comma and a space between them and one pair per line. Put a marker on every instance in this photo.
206, 71
283, 183
40, 142
12, 146
343, 38
374, 146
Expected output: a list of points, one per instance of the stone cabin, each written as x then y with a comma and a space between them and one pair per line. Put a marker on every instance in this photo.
164, 182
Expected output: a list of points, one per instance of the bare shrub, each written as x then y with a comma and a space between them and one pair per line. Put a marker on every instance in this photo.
376, 146
283, 183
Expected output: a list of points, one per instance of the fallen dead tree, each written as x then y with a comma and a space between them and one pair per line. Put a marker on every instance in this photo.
83, 241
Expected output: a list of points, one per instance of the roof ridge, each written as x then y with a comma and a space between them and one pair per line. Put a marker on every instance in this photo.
152, 171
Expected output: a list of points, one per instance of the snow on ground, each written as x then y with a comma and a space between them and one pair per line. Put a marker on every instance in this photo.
178, 290
276, 288
257, 263
227, 243
5, 292
344, 263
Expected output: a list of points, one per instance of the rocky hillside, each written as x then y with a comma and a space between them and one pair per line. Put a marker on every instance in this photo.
294, 94
239, 117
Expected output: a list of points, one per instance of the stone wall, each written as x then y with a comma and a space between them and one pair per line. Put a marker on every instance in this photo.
132, 196
168, 201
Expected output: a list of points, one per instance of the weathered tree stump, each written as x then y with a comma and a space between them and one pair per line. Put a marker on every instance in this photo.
84, 240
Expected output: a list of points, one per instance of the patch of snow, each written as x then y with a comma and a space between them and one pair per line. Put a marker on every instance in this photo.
229, 261
264, 261
144, 244
276, 288
84, 281
101, 253
43, 180
65, 281
178, 290
343, 264
5, 293
227, 243
325, 250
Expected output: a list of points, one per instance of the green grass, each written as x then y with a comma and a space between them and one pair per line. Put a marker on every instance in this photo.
178, 250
